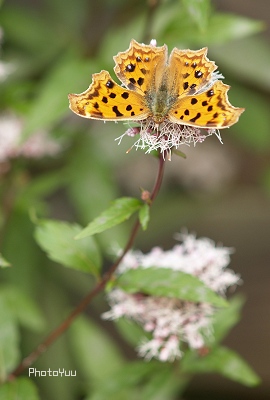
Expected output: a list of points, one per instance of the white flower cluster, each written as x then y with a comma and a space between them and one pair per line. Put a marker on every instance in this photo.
36, 146
167, 136
172, 321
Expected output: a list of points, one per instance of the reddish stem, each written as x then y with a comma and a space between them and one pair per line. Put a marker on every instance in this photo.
51, 338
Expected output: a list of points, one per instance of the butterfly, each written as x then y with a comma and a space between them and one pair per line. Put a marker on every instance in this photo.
183, 88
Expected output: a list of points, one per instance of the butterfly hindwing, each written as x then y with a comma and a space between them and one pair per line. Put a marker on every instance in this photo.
210, 109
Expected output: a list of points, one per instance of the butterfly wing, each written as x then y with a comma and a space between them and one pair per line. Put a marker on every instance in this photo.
106, 100
190, 72
141, 67
210, 109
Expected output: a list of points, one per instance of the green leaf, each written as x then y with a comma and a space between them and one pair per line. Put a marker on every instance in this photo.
51, 102
144, 216
202, 29
40, 187
225, 318
124, 383
9, 339
15, 20
224, 361
19, 389
231, 55
86, 157
94, 350
169, 283
3, 262
56, 238
224, 27
120, 210
164, 384
198, 11
130, 330
23, 308
252, 129
141, 380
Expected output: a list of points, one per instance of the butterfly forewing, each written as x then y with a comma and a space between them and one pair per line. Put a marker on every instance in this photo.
189, 71
141, 67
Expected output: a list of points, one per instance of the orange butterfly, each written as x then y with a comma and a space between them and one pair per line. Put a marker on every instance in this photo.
183, 89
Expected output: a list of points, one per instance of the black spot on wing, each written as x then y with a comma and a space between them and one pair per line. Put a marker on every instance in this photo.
195, 118
110, 84
117, 112
198, 74
130, 67
125, 95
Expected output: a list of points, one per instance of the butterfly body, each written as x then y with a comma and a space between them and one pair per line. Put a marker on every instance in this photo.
160, 100
183, 89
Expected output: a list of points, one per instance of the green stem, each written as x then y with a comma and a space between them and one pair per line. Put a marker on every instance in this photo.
55, 334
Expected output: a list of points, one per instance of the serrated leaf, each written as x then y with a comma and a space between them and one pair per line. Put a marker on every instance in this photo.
19, 389
120, 210
3, 262
169, 283
224, 361
56, 238
144, 216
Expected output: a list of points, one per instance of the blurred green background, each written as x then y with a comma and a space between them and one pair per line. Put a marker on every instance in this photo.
220, 191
